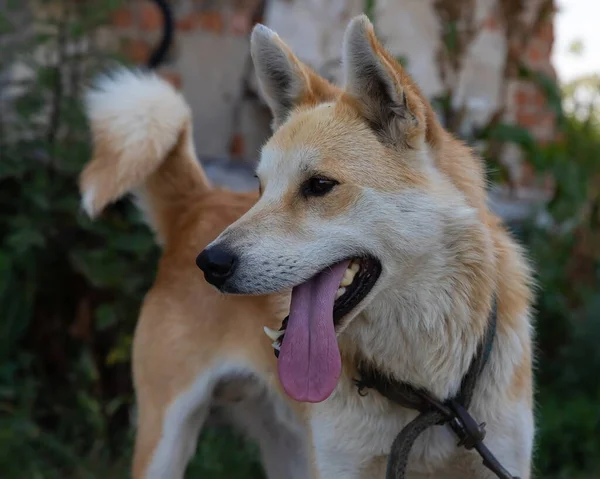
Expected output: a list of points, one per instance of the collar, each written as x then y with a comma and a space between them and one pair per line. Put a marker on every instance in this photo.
412, 397
433, 411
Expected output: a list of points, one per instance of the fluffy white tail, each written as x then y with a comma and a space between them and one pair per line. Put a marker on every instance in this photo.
142, 140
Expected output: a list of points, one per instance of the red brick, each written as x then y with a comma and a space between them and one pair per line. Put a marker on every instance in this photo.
186, 23
150, 17
522, 98
137, 50
527, 119
535, 54
491, 23
548, 183
546, 32
538, 99
237, 146
560, 138
240, 23
547, 120
211, 21
528, 96
121, 18
243, 17
173, 78
527, 174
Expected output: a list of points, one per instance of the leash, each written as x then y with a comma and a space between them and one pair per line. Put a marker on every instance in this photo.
452, 412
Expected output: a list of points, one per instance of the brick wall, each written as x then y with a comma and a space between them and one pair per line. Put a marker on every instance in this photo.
527, 105
210, 63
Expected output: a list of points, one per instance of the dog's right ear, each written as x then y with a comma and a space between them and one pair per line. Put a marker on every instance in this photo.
285, 81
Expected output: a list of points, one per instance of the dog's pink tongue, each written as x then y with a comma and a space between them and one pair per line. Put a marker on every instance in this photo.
309, 360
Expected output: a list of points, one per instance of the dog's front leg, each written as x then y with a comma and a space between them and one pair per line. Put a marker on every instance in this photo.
166, 437
281, 432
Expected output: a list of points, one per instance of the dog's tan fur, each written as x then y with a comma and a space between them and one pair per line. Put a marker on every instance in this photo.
444, 256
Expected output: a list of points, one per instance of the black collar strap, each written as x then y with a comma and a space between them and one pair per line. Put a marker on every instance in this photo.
452, 412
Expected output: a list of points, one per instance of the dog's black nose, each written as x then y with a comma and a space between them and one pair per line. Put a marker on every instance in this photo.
218, 264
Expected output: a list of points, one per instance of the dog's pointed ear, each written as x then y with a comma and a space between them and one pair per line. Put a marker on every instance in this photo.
285, 81
386, 96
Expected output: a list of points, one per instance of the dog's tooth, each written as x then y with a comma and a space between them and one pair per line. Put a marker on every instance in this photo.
276, 345
340, 292
273, 335
348, 278
355, 267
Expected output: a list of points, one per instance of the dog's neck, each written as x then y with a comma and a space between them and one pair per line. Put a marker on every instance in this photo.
423, 333
422, 346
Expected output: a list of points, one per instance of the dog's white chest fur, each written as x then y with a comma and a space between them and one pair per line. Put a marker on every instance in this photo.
353, 434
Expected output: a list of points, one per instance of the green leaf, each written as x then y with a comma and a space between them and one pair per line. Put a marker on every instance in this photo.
450, 37
12, 5
48, 76
86, 367
115, 404
29, 104
41, 38
16, 301
101, 267
77, 30
25, 240
106, 316
121, 352
549, 86
402, 60
518, 135
370, 9
6, 26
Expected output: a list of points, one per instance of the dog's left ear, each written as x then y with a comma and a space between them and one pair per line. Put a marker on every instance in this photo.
286, 82
384, 93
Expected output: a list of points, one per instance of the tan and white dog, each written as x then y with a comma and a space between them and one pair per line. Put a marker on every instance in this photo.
374, 217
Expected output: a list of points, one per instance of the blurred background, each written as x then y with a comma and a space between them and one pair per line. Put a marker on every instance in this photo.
517, 79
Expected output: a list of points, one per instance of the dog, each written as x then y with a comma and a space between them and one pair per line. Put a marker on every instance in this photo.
193, 348
371, 229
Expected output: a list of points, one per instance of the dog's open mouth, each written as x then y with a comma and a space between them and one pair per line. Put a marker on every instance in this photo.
309, 358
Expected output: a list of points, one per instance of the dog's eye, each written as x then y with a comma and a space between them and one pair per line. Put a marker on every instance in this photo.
318, 186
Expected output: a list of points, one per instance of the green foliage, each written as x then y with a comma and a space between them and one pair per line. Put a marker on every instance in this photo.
70, 288
566, 255
60, 400
223, 454
370, 9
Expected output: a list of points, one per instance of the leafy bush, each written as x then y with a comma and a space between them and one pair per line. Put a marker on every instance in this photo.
70, 288
67, 314
564, 243
567, 257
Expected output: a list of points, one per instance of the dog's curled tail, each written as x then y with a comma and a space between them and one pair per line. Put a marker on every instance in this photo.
142, 143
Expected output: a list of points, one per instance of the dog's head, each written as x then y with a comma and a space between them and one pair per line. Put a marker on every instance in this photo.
351, 198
